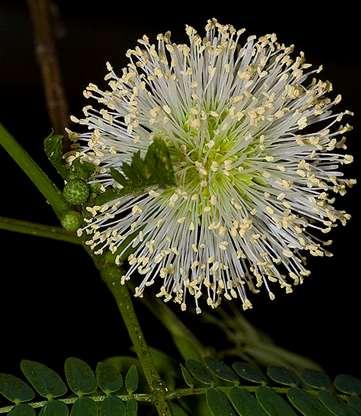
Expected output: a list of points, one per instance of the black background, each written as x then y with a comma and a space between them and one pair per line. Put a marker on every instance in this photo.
52, 303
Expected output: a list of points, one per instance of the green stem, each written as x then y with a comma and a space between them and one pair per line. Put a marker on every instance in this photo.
97, 398
186, 342
33, 171
38, 230
125, 306
174, 395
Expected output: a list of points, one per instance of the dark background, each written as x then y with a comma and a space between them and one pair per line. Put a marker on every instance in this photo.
52, 303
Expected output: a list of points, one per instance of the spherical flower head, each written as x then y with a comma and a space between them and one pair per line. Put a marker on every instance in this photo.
254, 144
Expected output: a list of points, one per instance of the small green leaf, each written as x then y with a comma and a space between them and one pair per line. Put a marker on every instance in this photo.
334, 405
187, 348
249, 372
15, 389
245, 403
355, 403
80, 376
272, 403
54, 408
112, 406
283, 375
132, 379
348, 384
166, 366
187, 377
316, 379
177, 410
199, 371
22, 410
306, 404
109, 378
107, 196
53, 146
222, 370
131, 407
82, 169
218, 403
44, 380
84, 407
118, 177
155, 169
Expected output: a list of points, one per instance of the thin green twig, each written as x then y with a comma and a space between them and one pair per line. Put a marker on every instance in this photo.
38, 230
174, 395
125, 306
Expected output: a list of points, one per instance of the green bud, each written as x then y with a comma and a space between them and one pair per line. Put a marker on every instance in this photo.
76, 192
72, 220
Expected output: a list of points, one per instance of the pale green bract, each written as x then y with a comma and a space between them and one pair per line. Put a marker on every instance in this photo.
254, 145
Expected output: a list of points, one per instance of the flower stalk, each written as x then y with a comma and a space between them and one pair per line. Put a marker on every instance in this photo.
110, 276
38, 230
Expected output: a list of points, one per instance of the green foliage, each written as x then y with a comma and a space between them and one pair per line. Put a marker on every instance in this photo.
84, 407
53, 147
213, 388
273, 394
154, 170
54, 408
316, 379
348, 384
79, 376
79, 169
283, 375
103, 394
45, 381
14, 389
218, 403
109, 379
132, 379
112, 406
22, 410
249, 372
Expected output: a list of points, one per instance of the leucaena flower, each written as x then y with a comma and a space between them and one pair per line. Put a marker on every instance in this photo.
256, 149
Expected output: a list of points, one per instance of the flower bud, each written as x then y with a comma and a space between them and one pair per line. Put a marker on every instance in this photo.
76, 192
71, 220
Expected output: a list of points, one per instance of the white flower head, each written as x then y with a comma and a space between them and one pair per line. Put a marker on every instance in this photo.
255, 148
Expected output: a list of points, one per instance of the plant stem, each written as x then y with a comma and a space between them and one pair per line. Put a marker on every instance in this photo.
125, 306
34, 172
38, 230
174, 395
186, 342
97, 398
40, 11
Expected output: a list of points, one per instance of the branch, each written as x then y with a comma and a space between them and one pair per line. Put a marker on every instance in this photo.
38, 230
40, 12
121, 295
142, 397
